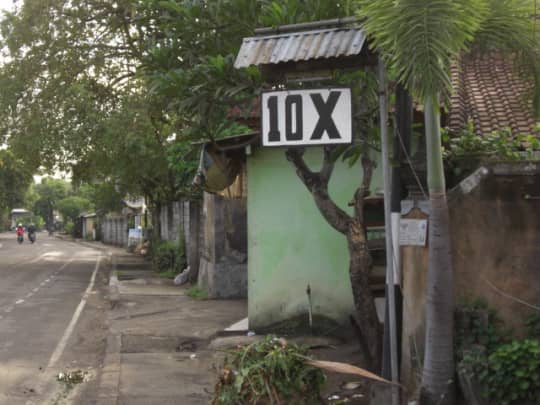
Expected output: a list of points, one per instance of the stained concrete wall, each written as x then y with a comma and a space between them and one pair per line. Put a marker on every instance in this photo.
114, 230
291, 245
223, 260
495, 236
173, 217
181, 220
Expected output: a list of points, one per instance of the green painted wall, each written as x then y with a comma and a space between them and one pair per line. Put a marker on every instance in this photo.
290, 245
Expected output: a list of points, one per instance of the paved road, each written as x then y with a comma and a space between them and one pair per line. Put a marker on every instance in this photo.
52, 318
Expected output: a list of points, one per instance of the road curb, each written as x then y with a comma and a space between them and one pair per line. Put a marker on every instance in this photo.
109, 384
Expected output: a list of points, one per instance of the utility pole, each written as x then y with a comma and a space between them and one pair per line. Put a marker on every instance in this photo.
390, 301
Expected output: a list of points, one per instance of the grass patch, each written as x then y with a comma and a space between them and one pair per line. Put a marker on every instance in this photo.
170, 274
197, 293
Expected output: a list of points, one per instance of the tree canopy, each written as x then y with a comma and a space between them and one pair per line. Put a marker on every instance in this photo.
117, 91
15, 178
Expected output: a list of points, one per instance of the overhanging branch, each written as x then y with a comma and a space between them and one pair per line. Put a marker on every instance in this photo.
317, 185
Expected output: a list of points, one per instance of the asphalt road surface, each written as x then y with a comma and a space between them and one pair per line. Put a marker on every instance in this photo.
52, 319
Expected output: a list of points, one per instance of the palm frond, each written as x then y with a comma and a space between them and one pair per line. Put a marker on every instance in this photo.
421, 38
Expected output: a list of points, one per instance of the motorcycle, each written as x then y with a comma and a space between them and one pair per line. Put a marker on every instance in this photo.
32, 237
20, 238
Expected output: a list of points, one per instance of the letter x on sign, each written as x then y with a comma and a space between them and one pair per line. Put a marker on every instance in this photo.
325, 110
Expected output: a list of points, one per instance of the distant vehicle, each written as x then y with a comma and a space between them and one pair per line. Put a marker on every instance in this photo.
18, 215
32, 237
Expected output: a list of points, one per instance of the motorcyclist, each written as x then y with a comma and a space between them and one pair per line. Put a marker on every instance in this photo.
31, 232
20, 232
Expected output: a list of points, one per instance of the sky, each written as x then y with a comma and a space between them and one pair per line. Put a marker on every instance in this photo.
6, 4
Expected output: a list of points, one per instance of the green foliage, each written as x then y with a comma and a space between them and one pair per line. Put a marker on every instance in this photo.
49, 192
477, 325
38, 222
364, 86
169, 274
296, 11
69, 227
168, 256
508, 370
270, 371
511, 374
15, 179
497, 145
533, 326
421, 39
103, 196
197, 293
183, 161
72, 207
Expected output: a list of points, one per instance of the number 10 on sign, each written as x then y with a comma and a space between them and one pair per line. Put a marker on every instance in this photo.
306, 117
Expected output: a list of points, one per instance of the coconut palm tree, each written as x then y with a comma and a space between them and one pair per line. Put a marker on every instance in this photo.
420, 40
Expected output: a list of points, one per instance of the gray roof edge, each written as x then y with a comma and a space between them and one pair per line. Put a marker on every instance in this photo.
331, 23
298, 33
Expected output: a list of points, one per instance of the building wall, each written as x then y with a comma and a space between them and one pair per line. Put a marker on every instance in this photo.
496, 243
223, 268
88, 226
114, 230
495, 236
290, 245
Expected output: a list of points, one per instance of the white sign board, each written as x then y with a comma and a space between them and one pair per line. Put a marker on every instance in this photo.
412, 232
135, 236
306, 117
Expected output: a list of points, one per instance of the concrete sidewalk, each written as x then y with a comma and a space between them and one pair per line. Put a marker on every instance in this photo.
157, 348
164, 347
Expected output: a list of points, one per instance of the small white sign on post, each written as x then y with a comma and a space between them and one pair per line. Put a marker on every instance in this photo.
412, 232
306, 117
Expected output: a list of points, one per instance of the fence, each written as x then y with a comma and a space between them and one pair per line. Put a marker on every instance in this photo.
114, 231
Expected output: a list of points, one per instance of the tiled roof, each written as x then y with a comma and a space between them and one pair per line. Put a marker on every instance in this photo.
488, 91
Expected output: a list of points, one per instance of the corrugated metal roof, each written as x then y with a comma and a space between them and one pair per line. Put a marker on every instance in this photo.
300, 46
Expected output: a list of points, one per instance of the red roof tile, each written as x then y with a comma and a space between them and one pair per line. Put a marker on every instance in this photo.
488, 91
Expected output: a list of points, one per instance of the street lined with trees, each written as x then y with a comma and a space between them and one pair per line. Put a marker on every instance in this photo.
120, 94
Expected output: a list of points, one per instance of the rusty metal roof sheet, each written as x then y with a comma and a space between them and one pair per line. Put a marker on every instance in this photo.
300, 46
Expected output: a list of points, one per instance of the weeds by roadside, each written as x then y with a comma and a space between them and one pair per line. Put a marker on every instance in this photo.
197, 293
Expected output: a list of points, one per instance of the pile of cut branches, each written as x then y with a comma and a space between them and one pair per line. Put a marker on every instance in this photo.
270, 371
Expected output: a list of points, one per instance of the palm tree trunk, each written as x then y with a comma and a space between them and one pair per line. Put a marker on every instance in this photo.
438, 371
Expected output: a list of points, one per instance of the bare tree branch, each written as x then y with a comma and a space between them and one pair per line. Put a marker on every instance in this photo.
318, 187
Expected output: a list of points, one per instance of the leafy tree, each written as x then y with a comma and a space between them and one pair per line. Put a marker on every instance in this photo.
420, 40
50, 191
72, 207
76, 99
15, 178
